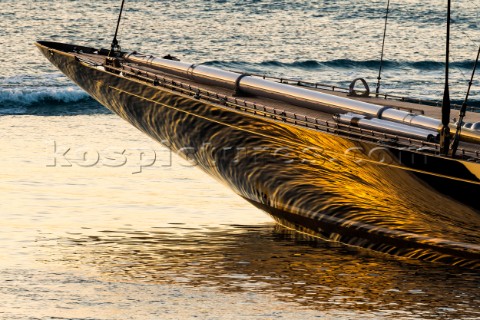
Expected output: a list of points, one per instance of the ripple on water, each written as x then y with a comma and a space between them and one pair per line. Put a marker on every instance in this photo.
100, 244
273, 262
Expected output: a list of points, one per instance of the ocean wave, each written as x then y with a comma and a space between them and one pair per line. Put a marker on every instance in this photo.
345, 63
27, 97
47, 101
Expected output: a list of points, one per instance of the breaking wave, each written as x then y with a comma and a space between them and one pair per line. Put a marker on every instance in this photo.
47, 101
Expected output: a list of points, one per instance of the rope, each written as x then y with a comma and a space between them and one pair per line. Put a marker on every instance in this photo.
473, 43
463, 110
459, 69
383, 47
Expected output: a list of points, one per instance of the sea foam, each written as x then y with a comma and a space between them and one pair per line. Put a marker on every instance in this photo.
29, 97
47, 101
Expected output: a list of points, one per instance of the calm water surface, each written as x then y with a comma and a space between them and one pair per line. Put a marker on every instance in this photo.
89, 234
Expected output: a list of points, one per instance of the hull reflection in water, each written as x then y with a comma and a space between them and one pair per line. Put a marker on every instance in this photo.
274, 261
357, 192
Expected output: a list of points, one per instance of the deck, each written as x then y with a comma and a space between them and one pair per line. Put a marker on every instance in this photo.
287, 112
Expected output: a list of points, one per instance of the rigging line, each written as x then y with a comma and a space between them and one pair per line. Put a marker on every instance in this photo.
468, 36
463, 110
115, 46
454, 20
288, 142
458, 69
473, 7
474, 42
383, 47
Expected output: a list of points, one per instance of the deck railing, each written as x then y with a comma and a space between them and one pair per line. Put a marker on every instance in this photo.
386, 96
280, 114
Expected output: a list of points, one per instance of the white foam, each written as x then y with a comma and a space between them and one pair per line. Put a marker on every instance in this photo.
31, 96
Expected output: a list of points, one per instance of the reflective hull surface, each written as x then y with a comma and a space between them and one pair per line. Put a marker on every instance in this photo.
360, 193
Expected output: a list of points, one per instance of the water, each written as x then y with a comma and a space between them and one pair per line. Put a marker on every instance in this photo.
148, 236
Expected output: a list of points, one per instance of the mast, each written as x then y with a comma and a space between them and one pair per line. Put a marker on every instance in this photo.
114, 47
445, 131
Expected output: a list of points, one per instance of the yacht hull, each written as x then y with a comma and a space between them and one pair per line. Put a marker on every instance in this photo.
395, 201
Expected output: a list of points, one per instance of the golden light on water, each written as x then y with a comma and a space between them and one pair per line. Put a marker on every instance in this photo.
119, 227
